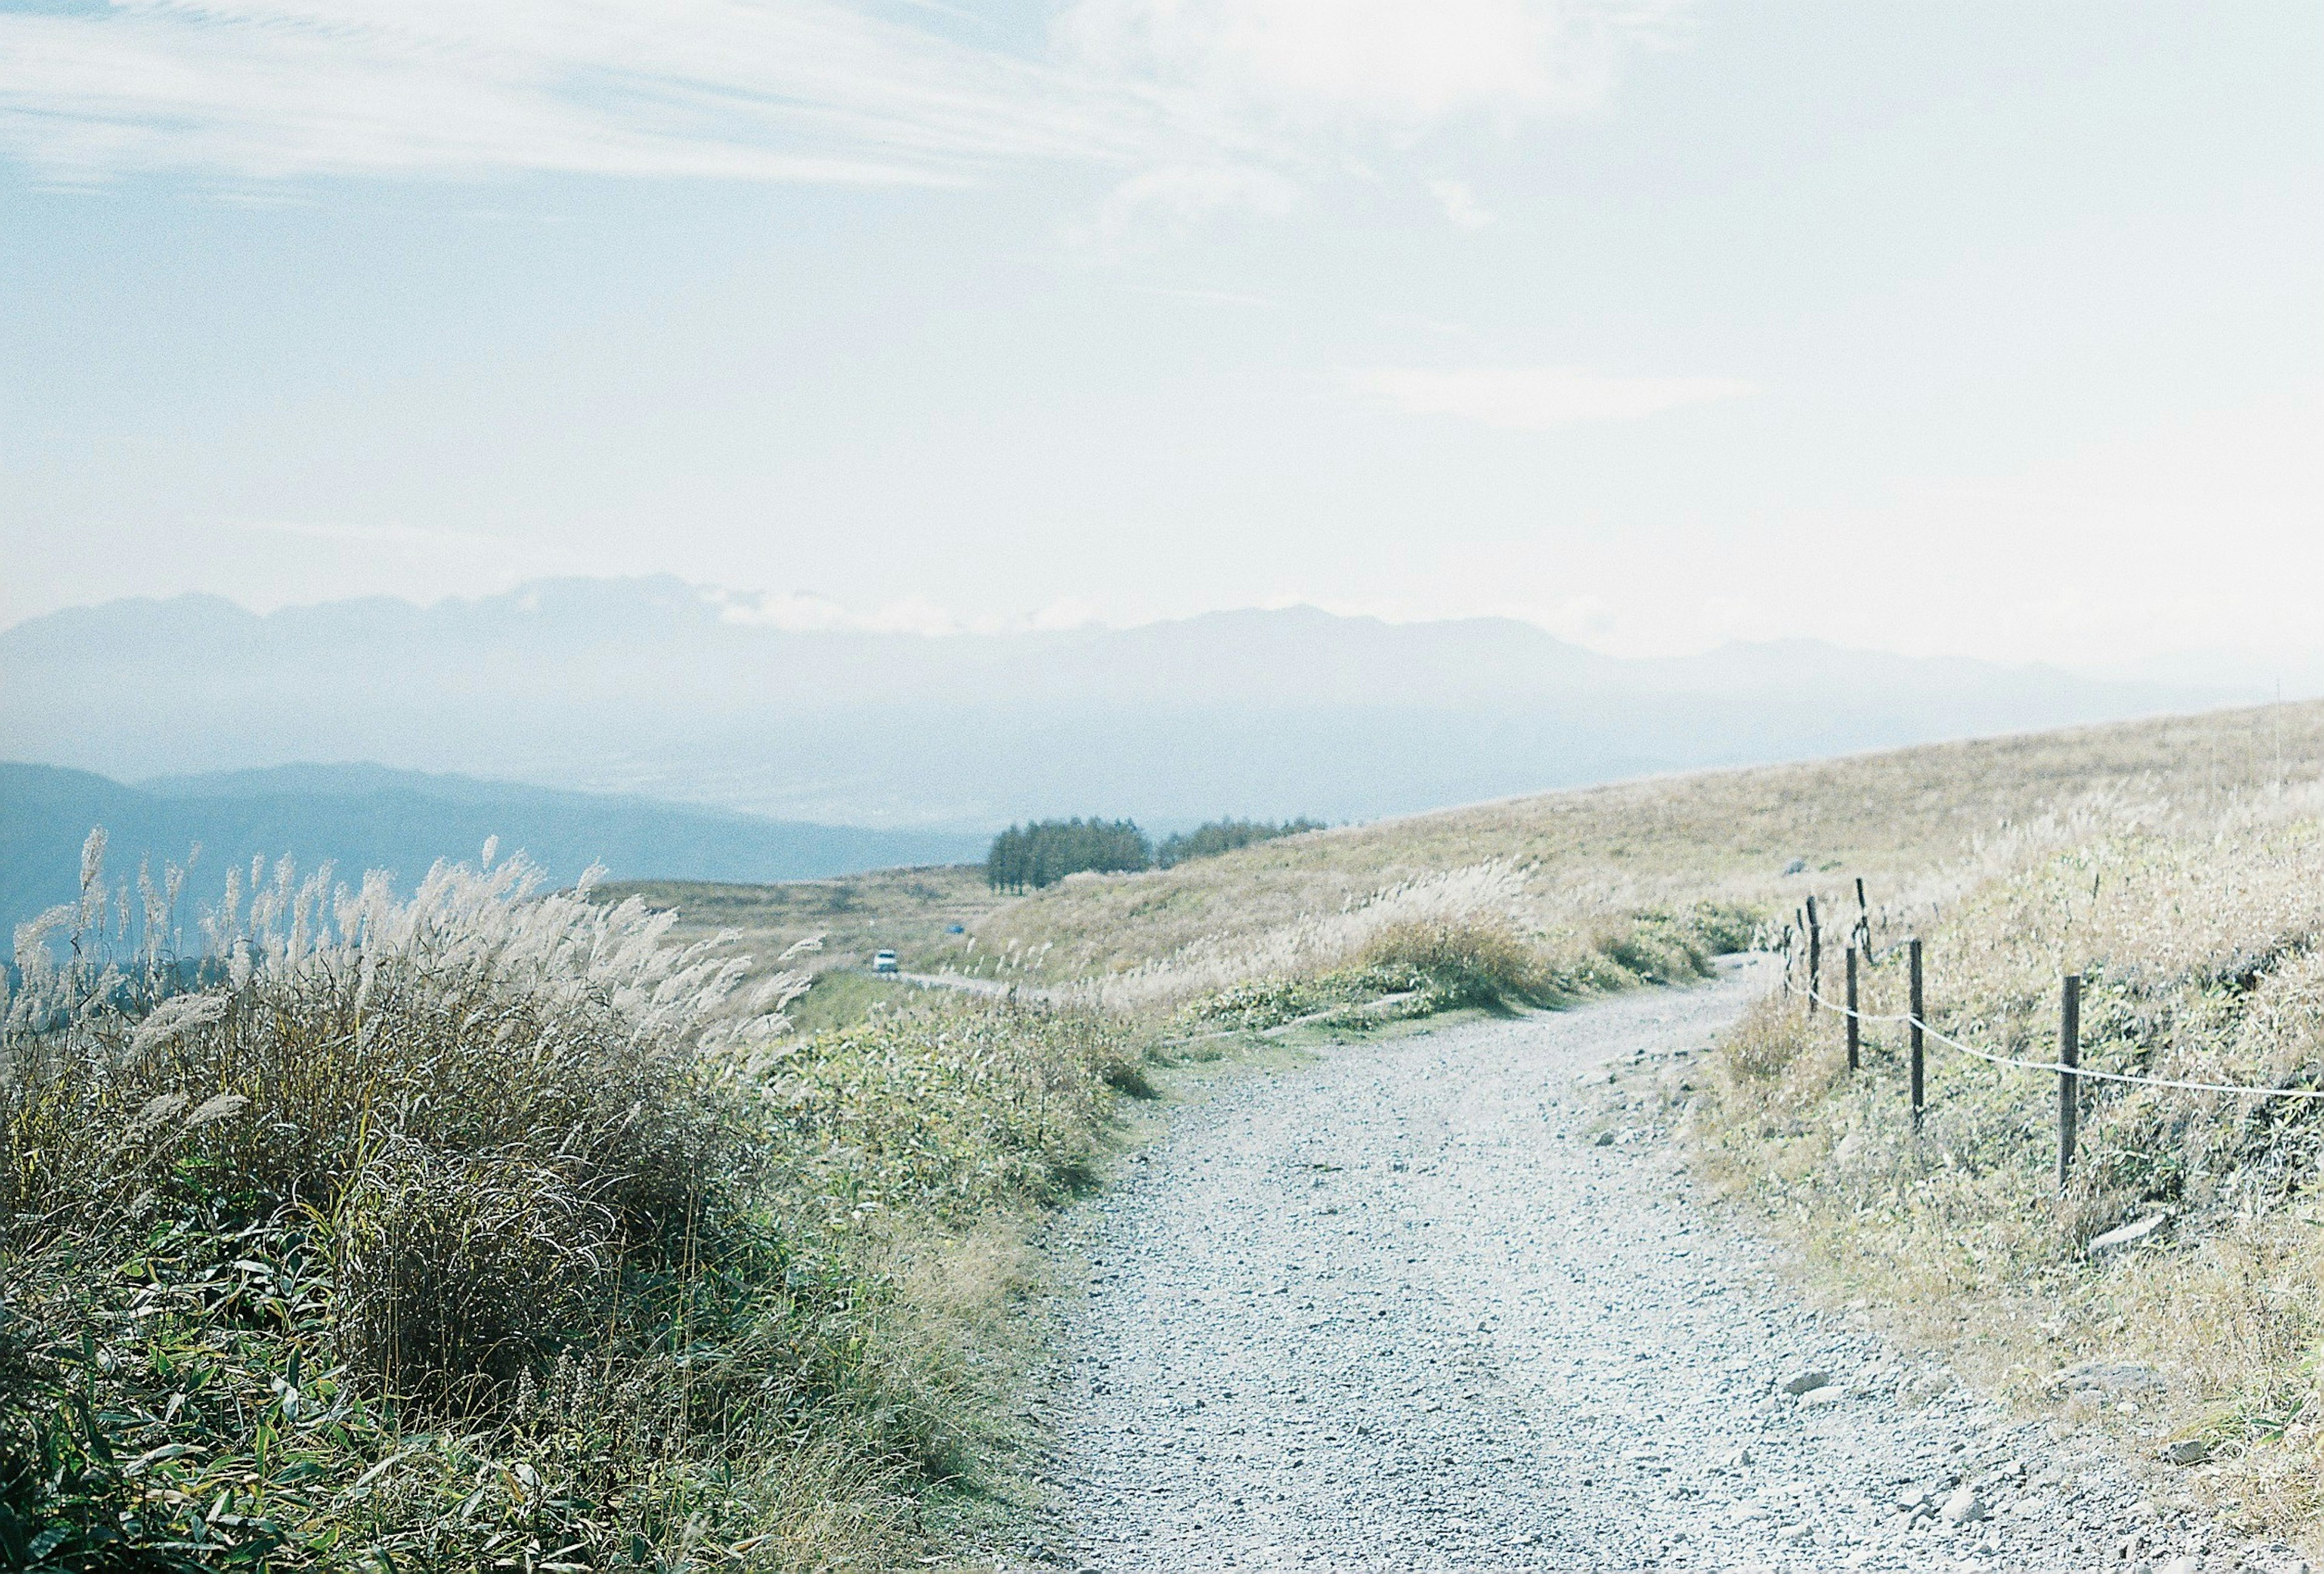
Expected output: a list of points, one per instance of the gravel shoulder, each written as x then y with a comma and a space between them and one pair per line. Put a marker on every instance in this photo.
1400, 1309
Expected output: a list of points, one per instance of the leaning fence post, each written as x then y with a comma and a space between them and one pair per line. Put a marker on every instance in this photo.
1815, 956
2070, 1054
1912, 955
1854, 1027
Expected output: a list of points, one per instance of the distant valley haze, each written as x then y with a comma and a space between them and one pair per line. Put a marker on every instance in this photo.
359, 817
669, 694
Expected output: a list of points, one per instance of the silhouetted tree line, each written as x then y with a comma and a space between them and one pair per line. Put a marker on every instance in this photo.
1045, 851
1224, 835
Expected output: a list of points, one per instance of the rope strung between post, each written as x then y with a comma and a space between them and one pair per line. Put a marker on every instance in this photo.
2230, 1089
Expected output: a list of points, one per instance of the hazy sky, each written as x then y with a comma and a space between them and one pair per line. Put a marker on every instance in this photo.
1995, 328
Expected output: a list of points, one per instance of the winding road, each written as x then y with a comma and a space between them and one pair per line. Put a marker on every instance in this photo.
1417, 1306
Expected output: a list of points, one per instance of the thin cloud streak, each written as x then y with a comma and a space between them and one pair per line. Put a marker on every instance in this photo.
1539, 398
797, 91
770, 90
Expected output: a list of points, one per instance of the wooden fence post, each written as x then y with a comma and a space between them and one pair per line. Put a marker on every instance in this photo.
2070, 1053
1855, 1034
1815, 956
1912, 955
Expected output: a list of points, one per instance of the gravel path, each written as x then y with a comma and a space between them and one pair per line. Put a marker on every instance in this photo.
1400, 1309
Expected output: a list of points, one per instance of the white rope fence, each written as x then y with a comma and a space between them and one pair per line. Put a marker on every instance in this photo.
2060, 1067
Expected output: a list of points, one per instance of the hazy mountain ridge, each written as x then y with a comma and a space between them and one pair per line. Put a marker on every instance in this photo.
656, 687
367, 817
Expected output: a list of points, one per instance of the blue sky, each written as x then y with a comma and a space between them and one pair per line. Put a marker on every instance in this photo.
1990, 328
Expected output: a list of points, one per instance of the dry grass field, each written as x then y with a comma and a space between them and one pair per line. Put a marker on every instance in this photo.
1563, 865
2195, 933
2174, 861
909, 911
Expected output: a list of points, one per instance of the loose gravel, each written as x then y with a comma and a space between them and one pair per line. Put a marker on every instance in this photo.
1408, 1308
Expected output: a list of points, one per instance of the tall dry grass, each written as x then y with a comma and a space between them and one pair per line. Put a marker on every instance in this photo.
2197, 933
490, 1228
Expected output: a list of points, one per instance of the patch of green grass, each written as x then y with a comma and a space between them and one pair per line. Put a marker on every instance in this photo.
845, 996
1424, 967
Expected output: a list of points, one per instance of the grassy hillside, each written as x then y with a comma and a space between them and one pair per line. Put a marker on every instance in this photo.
2178, 865
2198, 936
911, 911
1563, 865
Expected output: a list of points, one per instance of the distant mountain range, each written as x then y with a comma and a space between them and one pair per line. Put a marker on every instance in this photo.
660, 688
364, 817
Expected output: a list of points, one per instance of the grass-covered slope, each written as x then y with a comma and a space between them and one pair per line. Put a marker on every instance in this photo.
2178, 865
1563, 866
2200, 943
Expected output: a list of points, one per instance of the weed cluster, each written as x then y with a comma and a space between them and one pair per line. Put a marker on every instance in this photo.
1431, 965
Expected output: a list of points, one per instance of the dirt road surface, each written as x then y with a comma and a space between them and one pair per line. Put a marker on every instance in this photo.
1400, 1309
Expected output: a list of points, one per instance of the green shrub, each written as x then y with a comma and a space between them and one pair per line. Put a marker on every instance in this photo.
1460, 962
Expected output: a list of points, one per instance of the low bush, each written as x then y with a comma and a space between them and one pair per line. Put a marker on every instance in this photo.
1479, 961
1472, 961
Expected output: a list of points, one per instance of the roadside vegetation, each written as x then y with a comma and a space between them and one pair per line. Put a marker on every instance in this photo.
2196, 937
1562, 866
496, 1229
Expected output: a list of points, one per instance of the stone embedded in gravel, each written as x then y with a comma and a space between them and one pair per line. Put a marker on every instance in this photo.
2128, 1236
1806, 1382
2184, 1564
1963, 1507
2111, 1379
1819, 1398
1926, 1387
